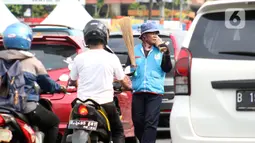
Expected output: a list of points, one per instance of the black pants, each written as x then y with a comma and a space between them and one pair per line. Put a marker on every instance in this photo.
46, 121
116, 102
115, 123
145, 115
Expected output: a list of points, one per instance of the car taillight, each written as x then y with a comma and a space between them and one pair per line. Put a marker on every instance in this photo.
82, 110
2, 121
166, 111
27, 131
182, 72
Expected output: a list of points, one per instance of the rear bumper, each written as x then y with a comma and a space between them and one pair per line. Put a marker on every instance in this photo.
182, 130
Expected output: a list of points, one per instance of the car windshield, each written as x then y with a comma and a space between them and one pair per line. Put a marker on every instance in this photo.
214, 40
117, 44
53, 56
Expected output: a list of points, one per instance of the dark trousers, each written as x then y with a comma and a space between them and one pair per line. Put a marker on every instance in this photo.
145, 115
115, 123
46, 121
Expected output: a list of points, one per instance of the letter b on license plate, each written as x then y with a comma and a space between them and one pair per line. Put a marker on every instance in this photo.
245, 100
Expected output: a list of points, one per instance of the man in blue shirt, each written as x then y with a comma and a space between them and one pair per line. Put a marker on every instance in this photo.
152, 64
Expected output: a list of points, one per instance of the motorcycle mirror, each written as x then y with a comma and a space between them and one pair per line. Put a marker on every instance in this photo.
69, 61
129, 71
64, 77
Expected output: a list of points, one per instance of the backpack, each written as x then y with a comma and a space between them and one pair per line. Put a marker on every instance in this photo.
12, 83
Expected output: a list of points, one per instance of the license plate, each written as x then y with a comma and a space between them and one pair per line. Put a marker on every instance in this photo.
245, 100
83, 124
5, 135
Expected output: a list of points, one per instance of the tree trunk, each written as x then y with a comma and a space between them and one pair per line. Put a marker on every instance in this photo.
162, 9
150, 9
108, 11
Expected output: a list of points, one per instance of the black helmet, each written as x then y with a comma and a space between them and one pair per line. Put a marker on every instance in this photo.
95, 30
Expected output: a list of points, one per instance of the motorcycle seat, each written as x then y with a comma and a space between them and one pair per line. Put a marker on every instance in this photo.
22, 117
16, 114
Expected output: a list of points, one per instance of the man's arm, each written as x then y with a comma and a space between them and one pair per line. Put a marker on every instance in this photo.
73, 75
120, 75
166, 64
44, 80
47, 84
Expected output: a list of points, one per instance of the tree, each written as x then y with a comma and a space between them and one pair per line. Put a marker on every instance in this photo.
38, 11
138, 7
150, 9
16, 10
99, 5
178, 2
108, 11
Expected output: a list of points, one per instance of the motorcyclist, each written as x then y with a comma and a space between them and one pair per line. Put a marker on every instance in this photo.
17, 39
96, 69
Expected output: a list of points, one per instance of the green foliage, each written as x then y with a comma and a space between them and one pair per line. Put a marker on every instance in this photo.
142, 7
16, 10
137, 6
99, 4
134, 6
38, 11
178, 2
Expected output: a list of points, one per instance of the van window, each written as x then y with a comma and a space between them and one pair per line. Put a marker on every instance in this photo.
212, 39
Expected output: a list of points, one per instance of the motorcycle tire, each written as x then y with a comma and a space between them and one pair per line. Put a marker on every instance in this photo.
81, 136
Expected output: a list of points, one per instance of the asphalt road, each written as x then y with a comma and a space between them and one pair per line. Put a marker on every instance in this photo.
163, 137
164, 141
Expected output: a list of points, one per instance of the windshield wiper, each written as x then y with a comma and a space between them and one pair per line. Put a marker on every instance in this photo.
240, 53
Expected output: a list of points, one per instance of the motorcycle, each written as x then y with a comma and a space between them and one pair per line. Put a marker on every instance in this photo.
15, 126
88, 121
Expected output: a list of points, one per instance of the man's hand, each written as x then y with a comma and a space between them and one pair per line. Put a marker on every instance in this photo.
159, 41
126, 83
63, 89
162, 45
73, 83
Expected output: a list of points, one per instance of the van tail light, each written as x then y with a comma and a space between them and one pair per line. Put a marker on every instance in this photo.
182, 72
82, 110
27, 131
2, 121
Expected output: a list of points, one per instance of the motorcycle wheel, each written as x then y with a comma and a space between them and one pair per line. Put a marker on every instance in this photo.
81, 136
94, 139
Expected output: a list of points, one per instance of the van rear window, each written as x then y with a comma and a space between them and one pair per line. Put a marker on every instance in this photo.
212, 39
